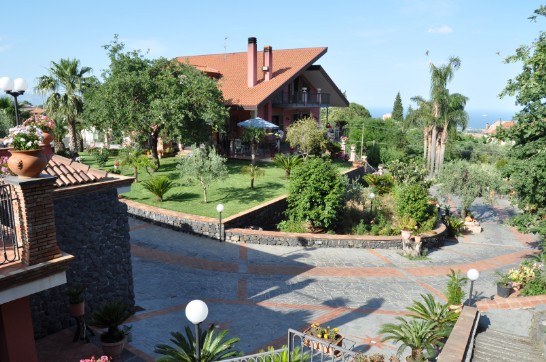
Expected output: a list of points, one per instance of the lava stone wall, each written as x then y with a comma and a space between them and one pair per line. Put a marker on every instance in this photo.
93, 227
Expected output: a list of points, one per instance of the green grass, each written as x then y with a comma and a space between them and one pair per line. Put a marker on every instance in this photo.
234, 192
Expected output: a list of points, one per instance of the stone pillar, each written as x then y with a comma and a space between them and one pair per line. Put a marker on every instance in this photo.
35, 218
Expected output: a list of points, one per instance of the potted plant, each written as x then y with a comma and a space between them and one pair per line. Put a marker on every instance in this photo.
27, 159
111, 315
76, 299
455, 292
330, 335
407, 225
504, 285
46, 124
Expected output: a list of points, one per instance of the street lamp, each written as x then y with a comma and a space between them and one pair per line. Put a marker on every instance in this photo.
473, 275
220, 208
15, 89
372, 196
196, 312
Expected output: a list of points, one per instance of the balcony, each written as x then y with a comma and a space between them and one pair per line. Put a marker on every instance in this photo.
301, 99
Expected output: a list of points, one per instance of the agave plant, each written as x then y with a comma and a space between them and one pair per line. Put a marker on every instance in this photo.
431, 310
214, 346
287, 162
158, 186
422, 337
295, 355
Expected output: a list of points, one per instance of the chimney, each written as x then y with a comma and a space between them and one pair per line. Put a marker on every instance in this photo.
252, 62
268, 62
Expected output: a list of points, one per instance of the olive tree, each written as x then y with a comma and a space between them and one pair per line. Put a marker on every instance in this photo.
306, 135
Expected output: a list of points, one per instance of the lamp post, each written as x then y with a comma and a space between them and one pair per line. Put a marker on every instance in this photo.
196, 312
220, 208
15, 89
473, 275
372, 196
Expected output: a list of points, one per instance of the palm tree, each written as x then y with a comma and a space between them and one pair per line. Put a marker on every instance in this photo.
214, 347
456, 116
423, 116
66, 82
431, 310
253, 171
422, 337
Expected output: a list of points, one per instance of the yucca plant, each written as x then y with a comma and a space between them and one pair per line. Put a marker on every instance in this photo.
287, 162
254, 172
158, 186
214, 347
424, 338
111, 315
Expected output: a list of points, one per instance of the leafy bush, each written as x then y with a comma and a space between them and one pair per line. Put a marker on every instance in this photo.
315, 194
407, 172
536, 286
454, 225
292, 226
100, 155
413, 200
382, 184
455, 293
287, 162
158, 186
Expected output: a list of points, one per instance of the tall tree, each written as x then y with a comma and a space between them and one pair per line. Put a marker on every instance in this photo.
66, 84
153, 97
398, 109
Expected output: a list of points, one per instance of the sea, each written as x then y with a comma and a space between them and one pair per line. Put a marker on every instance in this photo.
477, 118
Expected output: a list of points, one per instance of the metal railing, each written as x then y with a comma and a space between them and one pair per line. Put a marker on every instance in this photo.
8, 237
302, 347
302, 99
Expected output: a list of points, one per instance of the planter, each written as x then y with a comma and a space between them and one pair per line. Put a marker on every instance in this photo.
49, 136
27, 164
114, 349
457, 308
327, 347
504, 290
406, 234
77, 310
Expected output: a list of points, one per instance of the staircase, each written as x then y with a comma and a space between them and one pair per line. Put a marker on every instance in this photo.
492, 345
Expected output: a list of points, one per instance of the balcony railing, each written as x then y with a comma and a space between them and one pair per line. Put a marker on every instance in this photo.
8, 238
301, 99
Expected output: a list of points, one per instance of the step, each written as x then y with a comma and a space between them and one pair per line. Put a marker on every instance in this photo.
492, 345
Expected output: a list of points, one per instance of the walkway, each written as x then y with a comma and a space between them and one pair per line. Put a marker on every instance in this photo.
258, 292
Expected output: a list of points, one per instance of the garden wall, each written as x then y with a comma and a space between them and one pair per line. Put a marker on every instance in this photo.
94, 227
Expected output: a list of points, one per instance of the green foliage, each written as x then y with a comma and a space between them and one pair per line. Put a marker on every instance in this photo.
398, 109
455, 293
382, 184
502, 278
431, 310
287, 162
203, 165
535, 286
469, 181
75, 293
345, 115
295, 355
158, 186
100, 155
254, 171
133, 157
111, 315
413, 200
421, 336
292, 226
306, 135
454, 225
407, 172
214, 346
315, 193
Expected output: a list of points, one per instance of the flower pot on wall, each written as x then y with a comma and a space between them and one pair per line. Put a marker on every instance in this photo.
77, 310
114, 349
504, 290
406, 234
27, 164
49, 136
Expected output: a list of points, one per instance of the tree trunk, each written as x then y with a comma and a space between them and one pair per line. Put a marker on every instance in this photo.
135, 173
438, 151
445, 136
252, 182
154, 140
205, 195
253, 152
72, 136
425, 142
432, 151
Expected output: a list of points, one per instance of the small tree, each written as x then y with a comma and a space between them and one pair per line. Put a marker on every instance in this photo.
398, 109
412, 201
306, 135
133, 157
203, 165
316, 193
254, 172
286, 162
253, 136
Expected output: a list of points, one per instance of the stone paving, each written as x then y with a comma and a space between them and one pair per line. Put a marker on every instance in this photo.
258, 292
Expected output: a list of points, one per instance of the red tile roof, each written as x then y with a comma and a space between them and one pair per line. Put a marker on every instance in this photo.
287, 64
492, 129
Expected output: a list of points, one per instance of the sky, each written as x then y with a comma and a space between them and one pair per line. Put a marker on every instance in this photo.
375, 48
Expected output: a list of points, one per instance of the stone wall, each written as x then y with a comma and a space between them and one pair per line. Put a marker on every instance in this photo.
94, 228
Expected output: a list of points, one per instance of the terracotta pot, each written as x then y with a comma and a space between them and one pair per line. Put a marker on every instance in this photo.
406, 234
114, 349
27, 164
77, 310
49, 136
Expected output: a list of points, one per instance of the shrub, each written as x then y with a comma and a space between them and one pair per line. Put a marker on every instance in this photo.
455, 293
100, 155
382, 184
407, 172
454, 225
158, 186
315, 194
292, 226
535, 286
413, 200
287, 162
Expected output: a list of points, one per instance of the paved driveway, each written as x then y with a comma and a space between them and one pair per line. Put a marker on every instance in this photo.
258, 292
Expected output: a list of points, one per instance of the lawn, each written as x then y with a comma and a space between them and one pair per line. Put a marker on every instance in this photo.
234, 192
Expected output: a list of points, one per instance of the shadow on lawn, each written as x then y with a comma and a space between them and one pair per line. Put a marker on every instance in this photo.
261, 192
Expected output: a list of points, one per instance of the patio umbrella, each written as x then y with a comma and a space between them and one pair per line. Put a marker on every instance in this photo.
257, 123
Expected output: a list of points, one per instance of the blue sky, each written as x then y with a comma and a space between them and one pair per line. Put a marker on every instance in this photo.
375, 48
